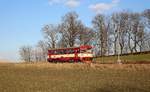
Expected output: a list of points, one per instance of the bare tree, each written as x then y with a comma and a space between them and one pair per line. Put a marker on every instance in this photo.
86, 36
26, 53
147, 42
70, 28
120, 21
136, 32
140, 37
37, 54
146, 14
51, 34
113, 31
62, 43
146, 21
101, 27
44, 48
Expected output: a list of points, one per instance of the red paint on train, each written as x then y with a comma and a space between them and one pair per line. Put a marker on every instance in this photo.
73, 54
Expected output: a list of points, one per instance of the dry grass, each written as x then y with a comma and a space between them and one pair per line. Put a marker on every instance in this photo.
47, 77
55, 65
85, 66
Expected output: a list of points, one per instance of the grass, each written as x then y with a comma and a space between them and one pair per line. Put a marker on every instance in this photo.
45, 77
140, 58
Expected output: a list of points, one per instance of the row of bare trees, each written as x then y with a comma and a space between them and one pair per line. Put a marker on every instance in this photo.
124, 32
34, 54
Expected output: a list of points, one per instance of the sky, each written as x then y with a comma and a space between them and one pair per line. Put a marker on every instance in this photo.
21, 20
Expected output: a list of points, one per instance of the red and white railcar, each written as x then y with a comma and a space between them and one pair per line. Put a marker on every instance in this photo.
73, 54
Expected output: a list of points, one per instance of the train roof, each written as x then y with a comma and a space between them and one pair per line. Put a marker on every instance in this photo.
84, 46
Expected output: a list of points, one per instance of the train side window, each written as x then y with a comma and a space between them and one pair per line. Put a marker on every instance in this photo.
72, 51
55, 51
58, 51
64, 51
68, 51
51, 52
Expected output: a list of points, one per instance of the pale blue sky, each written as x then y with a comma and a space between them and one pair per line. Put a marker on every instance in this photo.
21, 20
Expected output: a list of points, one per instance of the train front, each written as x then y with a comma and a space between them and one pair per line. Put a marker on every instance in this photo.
86, 54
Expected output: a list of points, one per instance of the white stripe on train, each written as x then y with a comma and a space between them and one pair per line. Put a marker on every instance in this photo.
71, 55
